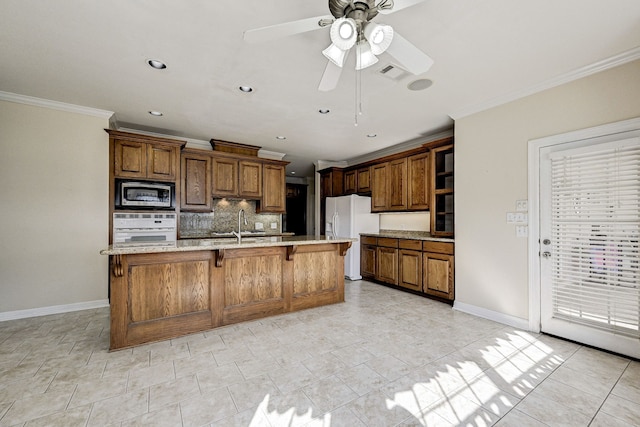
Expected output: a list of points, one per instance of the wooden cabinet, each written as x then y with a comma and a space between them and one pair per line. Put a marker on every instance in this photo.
410, 264
350, 181
250, 179
442, 191
387, 260
331, 182
368, 257
426, 267
145, 160
225, 177
274, 189
195, 181
438, 269
418, 182
397, 185
379, 189
363, 180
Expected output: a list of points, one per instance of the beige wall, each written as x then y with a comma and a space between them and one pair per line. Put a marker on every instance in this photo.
53, 207
491, 174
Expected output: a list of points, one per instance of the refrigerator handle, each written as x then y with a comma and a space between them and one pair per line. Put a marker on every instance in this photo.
336, 219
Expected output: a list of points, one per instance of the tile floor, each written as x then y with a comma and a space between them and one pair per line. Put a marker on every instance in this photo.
383, 358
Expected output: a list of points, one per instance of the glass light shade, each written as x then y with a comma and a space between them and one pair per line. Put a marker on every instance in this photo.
344, 33
365, 57
335, 54
379, 37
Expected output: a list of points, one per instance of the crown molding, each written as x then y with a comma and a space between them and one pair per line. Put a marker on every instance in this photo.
55, 105
398, 148
611, 62
273, 155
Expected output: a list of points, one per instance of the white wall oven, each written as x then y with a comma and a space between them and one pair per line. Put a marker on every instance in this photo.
144, 228
144, 195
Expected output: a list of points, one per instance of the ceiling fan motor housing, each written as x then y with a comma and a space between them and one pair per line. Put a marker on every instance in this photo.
361, 9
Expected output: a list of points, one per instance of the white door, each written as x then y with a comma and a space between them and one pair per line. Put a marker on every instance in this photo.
589, 201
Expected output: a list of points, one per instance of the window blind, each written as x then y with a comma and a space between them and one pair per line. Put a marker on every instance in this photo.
595, 228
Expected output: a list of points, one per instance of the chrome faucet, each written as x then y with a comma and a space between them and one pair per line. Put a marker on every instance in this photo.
238, 234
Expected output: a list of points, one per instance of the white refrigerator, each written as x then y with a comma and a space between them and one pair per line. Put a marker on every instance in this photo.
348, 216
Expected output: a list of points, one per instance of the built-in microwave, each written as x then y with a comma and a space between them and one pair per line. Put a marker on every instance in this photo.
143, 194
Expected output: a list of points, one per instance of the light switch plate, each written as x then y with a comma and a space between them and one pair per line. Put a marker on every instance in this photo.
511, 218
522, 231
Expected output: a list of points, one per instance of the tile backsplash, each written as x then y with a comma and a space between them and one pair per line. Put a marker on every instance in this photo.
224, 219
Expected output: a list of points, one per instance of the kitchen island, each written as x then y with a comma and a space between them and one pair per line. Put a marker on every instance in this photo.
164, 291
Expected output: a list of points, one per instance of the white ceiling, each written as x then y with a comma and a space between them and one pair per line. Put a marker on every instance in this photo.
94, 54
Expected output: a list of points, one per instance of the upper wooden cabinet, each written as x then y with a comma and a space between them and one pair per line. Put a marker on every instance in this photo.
274, 189
397, 185
142, 157
195, 181
350, 181
418, 182
225, 177
249, 179
363, 180
331, 182
442, 211
379, 188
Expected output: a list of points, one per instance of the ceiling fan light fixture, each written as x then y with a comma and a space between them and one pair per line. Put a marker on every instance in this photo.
364, 56
336, 55
344, 33
379, 37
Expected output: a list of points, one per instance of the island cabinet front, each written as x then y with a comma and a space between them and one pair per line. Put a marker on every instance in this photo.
159, 296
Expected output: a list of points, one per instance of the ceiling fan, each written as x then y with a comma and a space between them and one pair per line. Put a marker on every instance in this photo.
351, 27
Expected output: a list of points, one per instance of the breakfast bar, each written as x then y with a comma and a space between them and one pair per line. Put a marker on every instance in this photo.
168, 290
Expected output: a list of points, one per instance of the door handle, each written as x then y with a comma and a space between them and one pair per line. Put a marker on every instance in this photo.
546, 254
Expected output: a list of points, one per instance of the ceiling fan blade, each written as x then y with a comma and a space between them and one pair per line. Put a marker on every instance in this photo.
287, 29
410, 57
330, 77
397, 5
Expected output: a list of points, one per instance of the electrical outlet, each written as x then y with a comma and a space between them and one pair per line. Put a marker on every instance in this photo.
259, 226
274, 225
522, 231
522, 205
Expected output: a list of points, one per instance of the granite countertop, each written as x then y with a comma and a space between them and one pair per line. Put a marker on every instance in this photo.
186, 245
407, 234
231, 236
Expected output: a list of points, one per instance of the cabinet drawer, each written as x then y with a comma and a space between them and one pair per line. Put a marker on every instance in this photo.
368, 240
438, 247
387, 242
416, 245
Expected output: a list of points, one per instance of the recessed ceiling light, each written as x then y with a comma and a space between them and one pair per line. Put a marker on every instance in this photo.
158, 65
372, 135
246, 89
281, 137
155, 113
324, 111
420, 84
293, 172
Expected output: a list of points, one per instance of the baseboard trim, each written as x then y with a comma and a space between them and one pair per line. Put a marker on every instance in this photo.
55, 309
516, 322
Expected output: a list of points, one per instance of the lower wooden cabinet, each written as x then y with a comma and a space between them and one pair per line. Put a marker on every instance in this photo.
438, 275
425, 267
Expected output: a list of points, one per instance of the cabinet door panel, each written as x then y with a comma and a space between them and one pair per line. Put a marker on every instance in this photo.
363, 180
130, 159
397, 185
410, 269
438, 275
250, 174
368, 261
161, 162
387, 265
196, 183
274, 192
350, 179
418, 175
379, 190
225, 177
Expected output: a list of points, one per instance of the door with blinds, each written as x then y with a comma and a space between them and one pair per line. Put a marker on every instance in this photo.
589, 234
